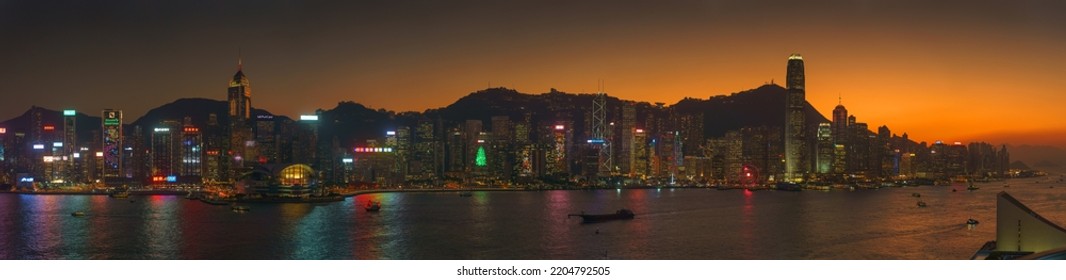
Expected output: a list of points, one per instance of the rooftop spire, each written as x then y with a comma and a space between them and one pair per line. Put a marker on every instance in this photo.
240, 63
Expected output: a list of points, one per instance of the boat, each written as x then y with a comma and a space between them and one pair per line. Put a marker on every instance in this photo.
921, 204
971, 221
621, 214
465, 194
239, 208
373, 206
191, 196
120, 195
78, 213
916, 195
786, 186
972, 188
214, 200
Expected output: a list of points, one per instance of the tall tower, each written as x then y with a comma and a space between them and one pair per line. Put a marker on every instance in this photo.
112, 145
599, 133
241, 148
795, 150
240, 95
840, 123
69, 143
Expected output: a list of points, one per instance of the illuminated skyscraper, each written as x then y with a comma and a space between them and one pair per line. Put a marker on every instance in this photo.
69, 143
242, 147
240, 95
840, 124
112, 144
163, 152
795, 100
825, 149
191, 154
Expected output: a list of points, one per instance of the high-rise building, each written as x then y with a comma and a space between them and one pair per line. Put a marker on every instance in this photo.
242, 147
112, 145
825, 149
558, 153
215, 163
70, 144
191, 154
840, 124
639, 156
165, 153
795, 150
266, 138
240, 95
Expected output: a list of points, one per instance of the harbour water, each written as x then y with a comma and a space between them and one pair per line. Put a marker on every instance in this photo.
709, 224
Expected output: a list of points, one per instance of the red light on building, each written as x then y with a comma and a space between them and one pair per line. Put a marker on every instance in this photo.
49, 127
559, 127
3, 130
212, 152
191, 129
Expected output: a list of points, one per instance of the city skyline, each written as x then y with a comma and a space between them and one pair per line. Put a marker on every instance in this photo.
417, 56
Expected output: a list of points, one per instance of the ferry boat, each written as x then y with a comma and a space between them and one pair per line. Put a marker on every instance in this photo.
120, 195
78, 213
239, 208
373, 206
621, 214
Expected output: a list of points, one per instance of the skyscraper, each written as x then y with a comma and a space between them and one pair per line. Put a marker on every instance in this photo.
112, 144
242, 146
240, 95
840, 124
795, 150
70, 144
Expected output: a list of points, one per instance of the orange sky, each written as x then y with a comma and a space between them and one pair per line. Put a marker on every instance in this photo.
947, 70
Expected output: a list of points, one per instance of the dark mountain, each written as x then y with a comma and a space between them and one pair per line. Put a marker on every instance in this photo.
351, 123
23, 123
1044, 158
1019, 165
197, 109
763, 106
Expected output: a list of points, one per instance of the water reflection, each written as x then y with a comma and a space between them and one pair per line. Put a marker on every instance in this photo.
670, 224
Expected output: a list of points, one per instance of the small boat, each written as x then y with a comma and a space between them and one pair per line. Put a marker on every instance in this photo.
120, 195
373, 206
972, 188
214, 200
239, 208
916, 195
621, 214
466, 194
971, 221
921, 204
78, 213
954, 190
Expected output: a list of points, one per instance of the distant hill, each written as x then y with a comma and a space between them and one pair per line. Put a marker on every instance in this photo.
350, 122
24, 122
1045, 158
762, 106
197, 109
